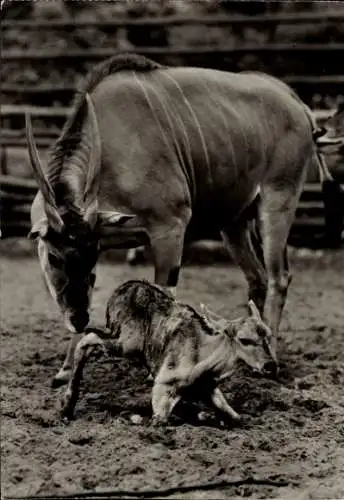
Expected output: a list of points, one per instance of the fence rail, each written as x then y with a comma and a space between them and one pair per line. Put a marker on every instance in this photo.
158, 52
17, 193
44, 137
38, 90
166, 21
16, 196
51, 95
8, 110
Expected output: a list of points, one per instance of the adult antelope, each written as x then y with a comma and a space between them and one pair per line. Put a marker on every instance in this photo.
149, 149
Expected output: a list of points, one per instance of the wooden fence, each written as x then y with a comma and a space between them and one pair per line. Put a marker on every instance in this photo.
17, 193
224, 57
177, 20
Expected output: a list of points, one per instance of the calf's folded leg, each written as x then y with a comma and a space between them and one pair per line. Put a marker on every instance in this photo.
221, 404
164, 399
82, 352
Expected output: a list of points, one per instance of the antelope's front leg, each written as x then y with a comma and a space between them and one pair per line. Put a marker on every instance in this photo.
64, 374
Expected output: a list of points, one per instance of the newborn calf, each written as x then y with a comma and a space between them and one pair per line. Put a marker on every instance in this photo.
181, 347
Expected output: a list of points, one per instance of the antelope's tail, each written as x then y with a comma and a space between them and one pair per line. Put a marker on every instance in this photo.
333, 196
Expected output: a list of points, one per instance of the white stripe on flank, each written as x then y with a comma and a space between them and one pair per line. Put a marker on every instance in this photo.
232, 154
144, 91
172, 127
193, 114
169, 120
189, 172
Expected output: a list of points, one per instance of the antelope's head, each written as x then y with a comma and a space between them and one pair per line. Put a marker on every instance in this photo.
65, 217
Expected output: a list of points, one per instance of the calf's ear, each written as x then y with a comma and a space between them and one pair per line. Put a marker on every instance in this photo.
213, 318
39, 228
253, 310
107, 218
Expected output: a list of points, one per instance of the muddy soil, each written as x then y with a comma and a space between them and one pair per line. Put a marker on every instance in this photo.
292, 433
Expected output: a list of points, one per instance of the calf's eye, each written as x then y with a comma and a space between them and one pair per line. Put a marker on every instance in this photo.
55, 262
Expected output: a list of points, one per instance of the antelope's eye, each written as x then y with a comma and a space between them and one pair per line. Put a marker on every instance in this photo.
55, 262
247, 342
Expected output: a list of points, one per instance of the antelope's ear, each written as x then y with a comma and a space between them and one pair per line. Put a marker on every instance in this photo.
106, 218
39, 228
254, 312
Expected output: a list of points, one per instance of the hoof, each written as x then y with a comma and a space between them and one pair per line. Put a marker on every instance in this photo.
57, 382
66, 407
66, 414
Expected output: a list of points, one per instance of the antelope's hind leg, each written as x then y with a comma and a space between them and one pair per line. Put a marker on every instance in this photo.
239, 244
167, 242
280, 195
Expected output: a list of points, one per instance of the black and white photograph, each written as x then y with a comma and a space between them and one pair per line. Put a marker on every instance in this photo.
171, 249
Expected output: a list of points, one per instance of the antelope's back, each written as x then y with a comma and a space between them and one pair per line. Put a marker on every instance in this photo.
175, 133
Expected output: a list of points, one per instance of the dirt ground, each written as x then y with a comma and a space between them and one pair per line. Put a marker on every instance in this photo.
293, 430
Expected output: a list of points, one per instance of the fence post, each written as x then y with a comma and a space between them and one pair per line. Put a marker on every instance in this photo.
3, 161
334, 213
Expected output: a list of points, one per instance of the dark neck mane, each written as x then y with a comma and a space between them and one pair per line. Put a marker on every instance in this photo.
119, 62
68, 142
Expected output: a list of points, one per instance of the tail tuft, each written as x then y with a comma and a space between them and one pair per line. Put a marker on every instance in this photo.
333, 197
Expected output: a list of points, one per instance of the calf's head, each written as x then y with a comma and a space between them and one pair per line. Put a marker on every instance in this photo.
65, 216
251, 339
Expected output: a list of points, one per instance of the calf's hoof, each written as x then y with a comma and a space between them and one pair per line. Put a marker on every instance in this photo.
66, 407
235, 416
158, 422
